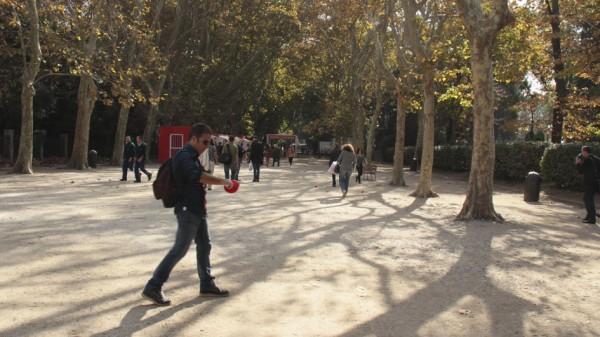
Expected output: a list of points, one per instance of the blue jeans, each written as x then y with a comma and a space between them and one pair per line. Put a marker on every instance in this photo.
189, 227
256, 169
345, 180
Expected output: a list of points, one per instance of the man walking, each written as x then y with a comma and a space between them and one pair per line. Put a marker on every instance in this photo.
190, 210
128, 157
232, 162
588, 165
140, 160
256, 157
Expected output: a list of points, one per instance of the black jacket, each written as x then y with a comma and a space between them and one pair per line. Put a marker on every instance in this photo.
589, 169
333, 155
187, 171
140, 151
257, 150
129, 151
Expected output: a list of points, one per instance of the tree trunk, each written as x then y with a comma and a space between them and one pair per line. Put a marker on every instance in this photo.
398, 170
117, 155
419, 143
424, 188
86, 98
149, 128
373, 123
358, 126
479, 202
30, 71
559, 78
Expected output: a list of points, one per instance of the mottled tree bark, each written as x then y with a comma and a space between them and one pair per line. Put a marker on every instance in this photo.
86, 99
483, 29
424, 189
398, 170
373, 122
31, 68
558, 109
118, 148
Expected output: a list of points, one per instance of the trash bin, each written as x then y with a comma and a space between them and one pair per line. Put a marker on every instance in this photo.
533, 185
414, 164
93, 158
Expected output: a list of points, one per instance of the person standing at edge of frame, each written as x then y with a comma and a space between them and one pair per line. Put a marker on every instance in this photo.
128, 157
140, 160
588, 165
190, 210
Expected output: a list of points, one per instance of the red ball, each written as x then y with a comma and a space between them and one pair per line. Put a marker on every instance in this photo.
235, 185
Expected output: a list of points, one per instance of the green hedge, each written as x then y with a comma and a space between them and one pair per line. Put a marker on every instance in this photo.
558, 164
452, 157
513, 160
409, 152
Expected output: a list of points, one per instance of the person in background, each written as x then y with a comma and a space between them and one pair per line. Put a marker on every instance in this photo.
333, 156
190, 210
231, 150
213, 159
268, 154
236, 163
291, 153
140, 160
347, 161
588, 165
360, 163
128, 157
256, 157
241, 155
276, 154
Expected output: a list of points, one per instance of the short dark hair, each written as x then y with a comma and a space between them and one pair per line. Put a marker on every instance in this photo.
199, 129
231, 138
586, 149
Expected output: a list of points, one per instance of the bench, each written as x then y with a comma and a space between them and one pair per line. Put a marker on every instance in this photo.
370, 170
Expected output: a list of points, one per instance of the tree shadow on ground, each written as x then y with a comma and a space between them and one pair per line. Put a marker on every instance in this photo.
403, 318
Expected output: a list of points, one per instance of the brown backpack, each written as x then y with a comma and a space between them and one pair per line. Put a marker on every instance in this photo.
164, 186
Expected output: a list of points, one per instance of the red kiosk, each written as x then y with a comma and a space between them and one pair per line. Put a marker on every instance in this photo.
170, 140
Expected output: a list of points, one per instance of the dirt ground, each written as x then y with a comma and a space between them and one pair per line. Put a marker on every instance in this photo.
77, 248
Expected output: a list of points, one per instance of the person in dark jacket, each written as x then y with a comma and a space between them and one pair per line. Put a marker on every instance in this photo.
276, 154
140, 160
333, 156
588, 165
361, 162
128, 157
257, 151
190, 210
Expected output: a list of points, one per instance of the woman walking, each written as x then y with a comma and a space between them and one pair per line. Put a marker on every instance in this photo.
291, 153
346, 161
361, 162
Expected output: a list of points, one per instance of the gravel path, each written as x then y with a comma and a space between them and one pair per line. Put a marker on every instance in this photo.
77, 247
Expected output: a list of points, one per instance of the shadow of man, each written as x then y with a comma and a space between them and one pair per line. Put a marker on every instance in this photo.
134, 320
